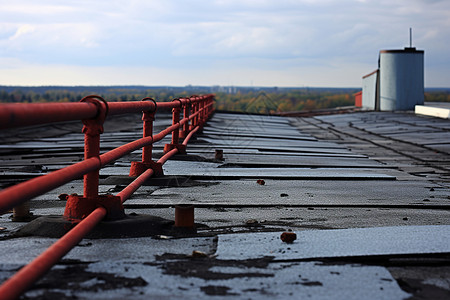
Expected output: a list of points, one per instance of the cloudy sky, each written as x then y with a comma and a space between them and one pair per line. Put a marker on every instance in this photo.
216, 42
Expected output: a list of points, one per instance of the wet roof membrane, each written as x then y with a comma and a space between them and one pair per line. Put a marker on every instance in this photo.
368, 184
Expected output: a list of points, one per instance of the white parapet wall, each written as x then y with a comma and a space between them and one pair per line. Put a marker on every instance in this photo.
433, 111
369, 90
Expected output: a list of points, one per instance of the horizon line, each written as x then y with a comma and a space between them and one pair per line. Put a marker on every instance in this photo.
196, 86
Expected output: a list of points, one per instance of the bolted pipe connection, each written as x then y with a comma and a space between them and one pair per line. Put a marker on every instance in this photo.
77, 207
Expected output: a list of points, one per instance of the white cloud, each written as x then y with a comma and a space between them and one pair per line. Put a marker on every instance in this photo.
290, 35
22, 30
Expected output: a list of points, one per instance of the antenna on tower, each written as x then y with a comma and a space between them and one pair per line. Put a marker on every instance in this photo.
410, 37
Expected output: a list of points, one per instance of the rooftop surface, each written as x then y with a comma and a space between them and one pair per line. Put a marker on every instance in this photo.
367, 193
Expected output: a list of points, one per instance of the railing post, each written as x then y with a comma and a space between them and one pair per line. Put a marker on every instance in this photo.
175, 120
92, 129
203, 111
186, 129
194, 110
148, 117
176, 133
201, 118
137, 168
197, 106
77, 208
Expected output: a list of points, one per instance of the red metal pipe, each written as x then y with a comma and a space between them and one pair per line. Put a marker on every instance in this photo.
120, 108
175, 120
92, 129
20, 114
91, 179
130, 189
137, 183
114, 154
188, 137
22, 192
25, 277
200, 112
19, 193
168, 155
33, 270
148, 118
137, 168
15, 195
174, 151
192, 117
197, 112
167, 105
163, 133
186, 110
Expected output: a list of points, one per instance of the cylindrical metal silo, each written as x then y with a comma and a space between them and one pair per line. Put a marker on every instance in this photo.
401, 79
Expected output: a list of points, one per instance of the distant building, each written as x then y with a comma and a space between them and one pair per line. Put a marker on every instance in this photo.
358, 99
398, 83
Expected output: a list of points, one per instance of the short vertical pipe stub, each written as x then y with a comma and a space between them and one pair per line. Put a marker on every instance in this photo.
21, 213
218, 154
184, 215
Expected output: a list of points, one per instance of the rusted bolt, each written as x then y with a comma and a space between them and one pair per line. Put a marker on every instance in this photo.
184, 215
288, 237
260, 182
218, 154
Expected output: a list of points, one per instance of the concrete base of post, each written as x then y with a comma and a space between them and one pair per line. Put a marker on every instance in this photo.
77, 207
169, 147
138, 167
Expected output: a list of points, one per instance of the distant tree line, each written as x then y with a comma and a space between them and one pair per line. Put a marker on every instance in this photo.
437, 95
241, 99
294, 100
250, 100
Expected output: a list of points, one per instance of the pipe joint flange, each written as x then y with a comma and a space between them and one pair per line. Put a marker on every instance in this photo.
181, 104
154, 102
94, 126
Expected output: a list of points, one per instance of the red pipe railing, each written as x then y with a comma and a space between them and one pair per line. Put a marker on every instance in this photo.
93, 110
23, 192
18, 115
